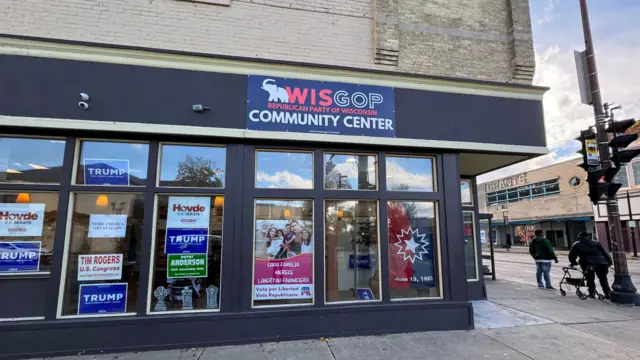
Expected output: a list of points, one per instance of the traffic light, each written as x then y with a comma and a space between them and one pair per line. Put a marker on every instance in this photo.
590, 163
620, 140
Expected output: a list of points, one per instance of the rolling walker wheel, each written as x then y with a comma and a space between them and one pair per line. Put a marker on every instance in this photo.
600, 297
581, 295
562, 292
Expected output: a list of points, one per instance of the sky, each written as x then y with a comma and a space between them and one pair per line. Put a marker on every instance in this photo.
557, 32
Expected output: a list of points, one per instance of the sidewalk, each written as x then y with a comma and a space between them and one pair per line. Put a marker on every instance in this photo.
519, 322
525, 250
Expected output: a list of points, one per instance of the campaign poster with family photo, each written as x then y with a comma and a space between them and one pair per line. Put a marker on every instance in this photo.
283, 263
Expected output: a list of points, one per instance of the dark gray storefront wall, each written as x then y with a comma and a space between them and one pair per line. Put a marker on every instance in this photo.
49, 88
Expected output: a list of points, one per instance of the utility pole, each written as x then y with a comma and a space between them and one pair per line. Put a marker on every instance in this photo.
623, 290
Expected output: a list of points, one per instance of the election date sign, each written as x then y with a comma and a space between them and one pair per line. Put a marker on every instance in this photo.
307, 106
21, 219
107, 226
99, 267
20, 256
180, 266
106, 172
186, 241
106, 298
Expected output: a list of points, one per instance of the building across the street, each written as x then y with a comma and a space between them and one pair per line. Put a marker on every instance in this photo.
552, 198
196, 173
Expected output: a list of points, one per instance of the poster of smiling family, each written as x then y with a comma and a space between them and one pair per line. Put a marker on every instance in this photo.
283, 261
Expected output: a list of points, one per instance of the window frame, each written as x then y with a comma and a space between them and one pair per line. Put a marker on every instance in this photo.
434, 175
39, 137
355, 153
436, 212
287, 151
471, 192
253, 254
77, 157
475, 245
154, 239
379, 254
72, 194
175, 143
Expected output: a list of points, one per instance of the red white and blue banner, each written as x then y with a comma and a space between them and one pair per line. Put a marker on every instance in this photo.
308, 106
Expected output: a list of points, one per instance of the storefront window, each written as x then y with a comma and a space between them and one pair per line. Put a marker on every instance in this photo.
352, 248
24, 160
413, 250
188, 253
284, 170
113, 163
283, 252
103, 254
466, 192
470, 245
192, 166
27, 231
622, 177
409, 173
350, 172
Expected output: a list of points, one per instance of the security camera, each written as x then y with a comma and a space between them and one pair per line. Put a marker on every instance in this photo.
199, 108
83, 105
85, 97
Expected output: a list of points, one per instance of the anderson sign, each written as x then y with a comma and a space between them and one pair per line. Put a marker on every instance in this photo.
292, 105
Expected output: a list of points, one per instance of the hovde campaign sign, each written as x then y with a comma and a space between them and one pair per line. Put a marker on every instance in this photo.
100, 267
283, 104
277, 279
107, 226
102, 298
188, 212
21, 219
106, 172
20, 256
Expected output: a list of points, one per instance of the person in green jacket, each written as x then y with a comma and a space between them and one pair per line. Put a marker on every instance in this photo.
542, 252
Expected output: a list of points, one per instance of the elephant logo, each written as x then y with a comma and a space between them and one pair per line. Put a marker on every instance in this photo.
276, 93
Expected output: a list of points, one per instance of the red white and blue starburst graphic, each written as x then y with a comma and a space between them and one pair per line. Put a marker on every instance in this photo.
412, 245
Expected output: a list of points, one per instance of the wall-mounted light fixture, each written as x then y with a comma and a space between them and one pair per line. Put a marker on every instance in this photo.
102, 201
23, 198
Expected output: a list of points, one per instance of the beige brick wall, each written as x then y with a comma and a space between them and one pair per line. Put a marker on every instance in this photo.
571, 202
459, 38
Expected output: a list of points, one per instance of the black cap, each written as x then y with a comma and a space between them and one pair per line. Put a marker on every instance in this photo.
584, 234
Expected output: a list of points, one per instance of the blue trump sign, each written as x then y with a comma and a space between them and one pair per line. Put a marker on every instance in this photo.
102, 298
364, 262
364, 294
21, 256
106, 172
186, 241
307, 106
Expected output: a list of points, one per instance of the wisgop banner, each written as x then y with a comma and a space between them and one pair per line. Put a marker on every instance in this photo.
282, 104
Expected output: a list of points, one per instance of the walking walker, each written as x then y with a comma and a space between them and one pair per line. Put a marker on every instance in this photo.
577, 282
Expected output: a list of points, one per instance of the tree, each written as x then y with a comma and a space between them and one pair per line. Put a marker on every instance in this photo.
335, 180
198, 172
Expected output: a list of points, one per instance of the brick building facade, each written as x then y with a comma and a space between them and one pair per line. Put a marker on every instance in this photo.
472, 39
553, 199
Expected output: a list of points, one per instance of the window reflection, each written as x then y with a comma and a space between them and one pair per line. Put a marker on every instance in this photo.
113, 163
104, 253
470, 245
283, 252
284, 170
352, 248
188, 253
413, 250
24, 160
350, 172
32, 234
409, 174
192, 166
465, 191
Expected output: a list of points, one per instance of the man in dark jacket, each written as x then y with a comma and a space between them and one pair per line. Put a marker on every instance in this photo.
594, 260
542, 252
